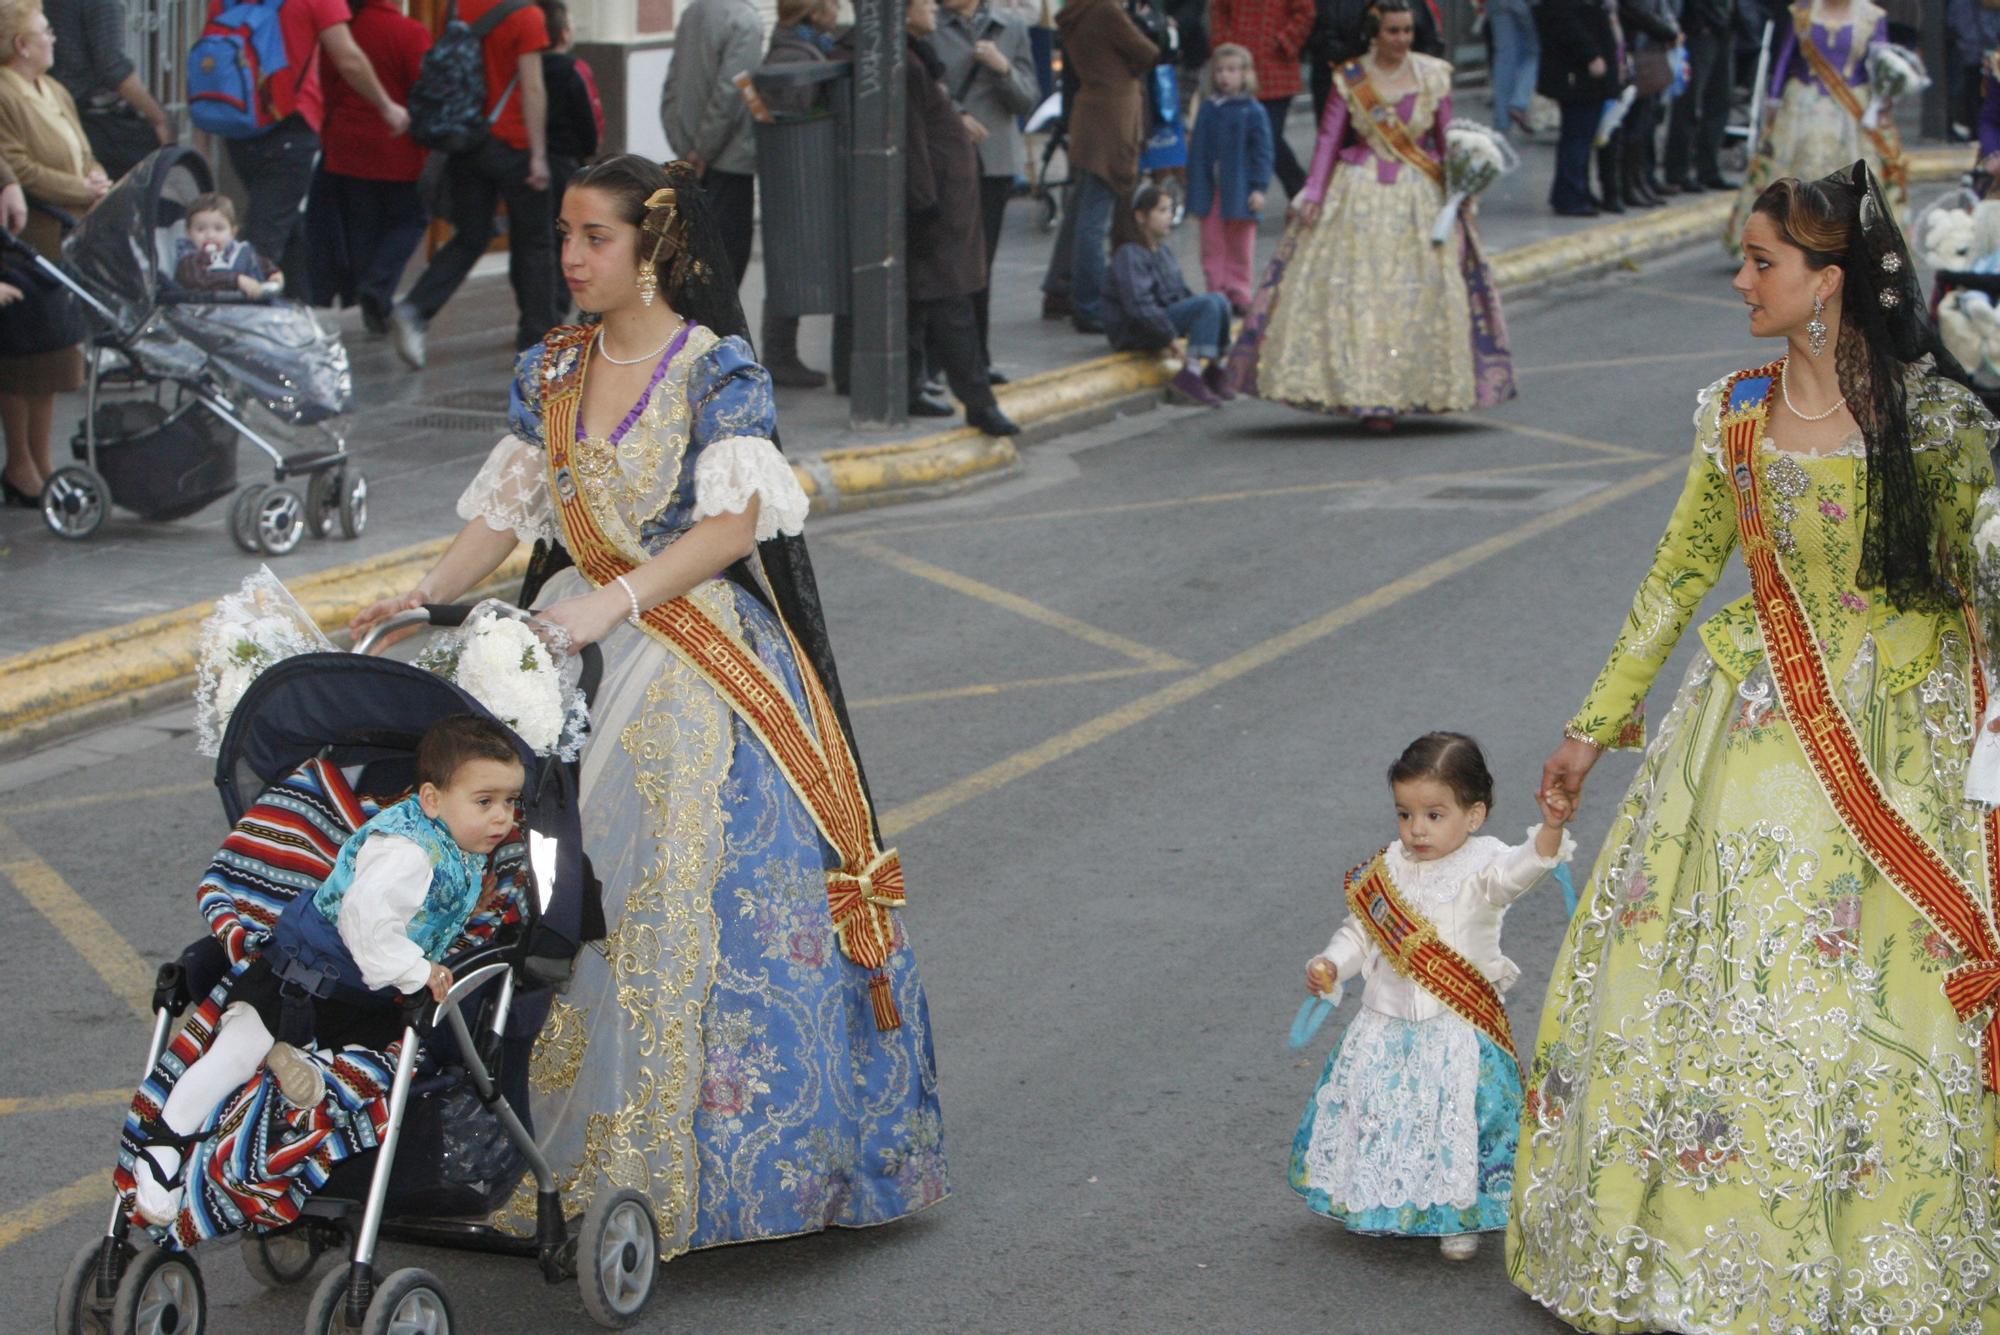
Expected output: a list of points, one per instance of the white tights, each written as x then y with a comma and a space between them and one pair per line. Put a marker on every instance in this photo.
241, 1045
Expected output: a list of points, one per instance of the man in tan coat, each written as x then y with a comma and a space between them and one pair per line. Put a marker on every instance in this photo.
1109, 56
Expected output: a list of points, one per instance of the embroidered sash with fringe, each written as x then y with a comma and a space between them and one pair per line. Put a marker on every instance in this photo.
1409, 941
1887, 140
1378, 122
1961, 912
816, 761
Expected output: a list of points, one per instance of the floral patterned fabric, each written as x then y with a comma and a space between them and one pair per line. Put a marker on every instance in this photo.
1381, 1145
1750, 1106
716, 1051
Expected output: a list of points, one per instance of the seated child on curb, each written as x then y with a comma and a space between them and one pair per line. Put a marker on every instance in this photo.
1147, 303
1412, 1129
210, 258
399, 894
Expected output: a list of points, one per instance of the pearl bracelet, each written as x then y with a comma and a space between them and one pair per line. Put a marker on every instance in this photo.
627, 586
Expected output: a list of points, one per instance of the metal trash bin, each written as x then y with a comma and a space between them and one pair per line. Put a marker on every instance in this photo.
803, 164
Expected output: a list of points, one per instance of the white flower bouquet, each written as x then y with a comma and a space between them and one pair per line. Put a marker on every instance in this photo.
248, 631
1982, 774
1893, 72
1474, 158
520, 668
1944, 232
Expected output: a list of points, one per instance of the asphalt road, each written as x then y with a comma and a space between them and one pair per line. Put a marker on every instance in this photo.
1127, 715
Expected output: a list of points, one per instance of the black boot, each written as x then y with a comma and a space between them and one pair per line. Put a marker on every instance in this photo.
1610, 169
1637, 192
781, 354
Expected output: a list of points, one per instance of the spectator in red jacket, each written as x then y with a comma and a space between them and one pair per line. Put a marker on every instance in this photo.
1274, 32
365, 219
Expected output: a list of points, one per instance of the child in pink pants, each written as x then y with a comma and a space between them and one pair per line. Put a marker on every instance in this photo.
1229, 169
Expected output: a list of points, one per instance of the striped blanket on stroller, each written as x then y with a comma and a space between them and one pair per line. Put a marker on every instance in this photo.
261, 1157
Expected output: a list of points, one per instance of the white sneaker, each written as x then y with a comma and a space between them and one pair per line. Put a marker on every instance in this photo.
299, 1080
1459, 1246
406, 331
156, 1202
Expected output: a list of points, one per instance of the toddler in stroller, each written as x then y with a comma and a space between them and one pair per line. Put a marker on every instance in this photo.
401, 891
210, 258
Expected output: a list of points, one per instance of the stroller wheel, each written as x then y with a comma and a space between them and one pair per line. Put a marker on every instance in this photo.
322, 500
74, 502
327, 1314
410, 1302
281, 521
617, 1258
353, 505
280, 1260
84, 1305
161, 1294
243, 516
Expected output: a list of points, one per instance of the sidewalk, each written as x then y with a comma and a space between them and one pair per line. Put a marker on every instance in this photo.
420, 436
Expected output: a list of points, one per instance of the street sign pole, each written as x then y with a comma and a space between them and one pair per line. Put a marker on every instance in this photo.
880, 359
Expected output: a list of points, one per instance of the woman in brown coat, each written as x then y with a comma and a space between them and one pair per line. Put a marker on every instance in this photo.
947, 245
1110, 57
43, 144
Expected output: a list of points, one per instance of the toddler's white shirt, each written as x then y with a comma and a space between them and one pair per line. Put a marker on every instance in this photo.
1465, 894
391, 877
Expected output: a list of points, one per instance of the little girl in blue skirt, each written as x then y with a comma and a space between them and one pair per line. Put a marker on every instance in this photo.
1413, 1126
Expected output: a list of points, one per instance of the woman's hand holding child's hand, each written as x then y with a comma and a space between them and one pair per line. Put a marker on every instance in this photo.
1321, 975
1556, 811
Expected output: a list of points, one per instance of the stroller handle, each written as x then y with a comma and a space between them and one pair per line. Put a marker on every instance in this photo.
444, 616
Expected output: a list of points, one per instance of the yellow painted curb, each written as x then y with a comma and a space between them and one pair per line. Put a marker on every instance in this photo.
154, 651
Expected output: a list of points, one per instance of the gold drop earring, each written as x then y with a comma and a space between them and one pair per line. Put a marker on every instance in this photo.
649, 282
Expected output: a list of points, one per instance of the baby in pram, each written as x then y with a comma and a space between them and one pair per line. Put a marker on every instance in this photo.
401, 891
210, 258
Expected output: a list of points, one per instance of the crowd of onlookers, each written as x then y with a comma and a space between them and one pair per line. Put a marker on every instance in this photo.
1191, 96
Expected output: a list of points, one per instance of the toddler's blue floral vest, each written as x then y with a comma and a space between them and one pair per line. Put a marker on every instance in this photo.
456, 876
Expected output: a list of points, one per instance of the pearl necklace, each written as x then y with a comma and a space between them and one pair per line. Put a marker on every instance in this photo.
605, 352
1785, 389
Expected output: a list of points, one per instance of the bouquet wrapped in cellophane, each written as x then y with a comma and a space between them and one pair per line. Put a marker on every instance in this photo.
248, 631
1982, 775
521, 669
1893, 72
1474, 158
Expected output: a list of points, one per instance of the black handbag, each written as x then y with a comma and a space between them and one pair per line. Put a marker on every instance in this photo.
47, 318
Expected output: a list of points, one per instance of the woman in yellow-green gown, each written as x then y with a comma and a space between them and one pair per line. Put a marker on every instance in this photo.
1754, 1104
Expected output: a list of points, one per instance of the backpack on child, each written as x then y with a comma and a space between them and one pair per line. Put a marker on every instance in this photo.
448, 101
230, 68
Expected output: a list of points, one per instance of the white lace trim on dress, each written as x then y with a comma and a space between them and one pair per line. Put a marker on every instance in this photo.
511, 493
1398, 1118
733, 470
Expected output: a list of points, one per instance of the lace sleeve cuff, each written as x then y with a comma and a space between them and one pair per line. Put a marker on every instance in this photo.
732, 471
511, 493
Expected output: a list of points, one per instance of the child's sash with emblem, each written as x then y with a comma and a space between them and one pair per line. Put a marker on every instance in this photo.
1962, 912
1378, 122
816, 761
1887, 140
1410, 942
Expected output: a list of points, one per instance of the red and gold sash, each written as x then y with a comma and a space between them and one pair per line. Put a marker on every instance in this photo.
1962, 912
1409, 941
816, 761
1888, 142
1378, 123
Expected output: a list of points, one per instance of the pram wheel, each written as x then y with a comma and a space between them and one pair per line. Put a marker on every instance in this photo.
243, 516
333, 494
74, 502
327, 1314
279, 521
410, 1302
617, 1258
161, 1294
280, 1260
353, 506
83, 1307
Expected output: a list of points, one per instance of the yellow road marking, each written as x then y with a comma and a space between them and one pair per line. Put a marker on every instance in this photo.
1015, 603
87, 930
901, 819
47, 1103
1654, 359
55, 1207
1000, 687
1263, 493
99, 799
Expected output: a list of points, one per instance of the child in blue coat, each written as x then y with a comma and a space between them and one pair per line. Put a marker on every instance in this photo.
1229, 169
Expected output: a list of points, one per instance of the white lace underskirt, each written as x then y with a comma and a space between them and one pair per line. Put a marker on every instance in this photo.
1398, 1119
511, 491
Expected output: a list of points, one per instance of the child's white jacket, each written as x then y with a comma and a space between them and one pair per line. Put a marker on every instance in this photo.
1465, 894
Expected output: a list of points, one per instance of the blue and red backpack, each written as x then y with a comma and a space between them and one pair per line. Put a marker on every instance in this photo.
230, 68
